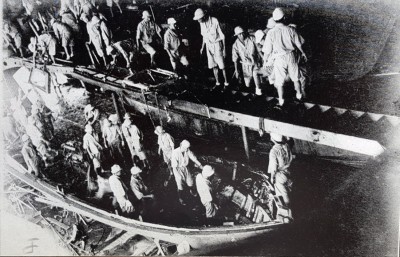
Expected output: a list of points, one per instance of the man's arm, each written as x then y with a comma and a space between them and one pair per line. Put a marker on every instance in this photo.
194, 159
267, 48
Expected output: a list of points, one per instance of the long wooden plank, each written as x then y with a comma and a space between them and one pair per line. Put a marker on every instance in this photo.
351, 143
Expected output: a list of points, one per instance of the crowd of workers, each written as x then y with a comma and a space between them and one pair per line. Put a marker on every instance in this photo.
275, 53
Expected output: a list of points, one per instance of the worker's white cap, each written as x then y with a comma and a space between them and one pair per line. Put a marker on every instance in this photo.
88, 128
88, 107
135, 170
292, 25
109, 49
113, 118
185, 143
158, 130
95, 19
277, 14
207, 171
145, 14
259, 35
198, 14
115, 168
171, 21
127, 116
276, 137
238, 30
25, 138
271, 23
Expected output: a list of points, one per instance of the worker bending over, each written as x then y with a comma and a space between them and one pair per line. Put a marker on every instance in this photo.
174, 45
204, 188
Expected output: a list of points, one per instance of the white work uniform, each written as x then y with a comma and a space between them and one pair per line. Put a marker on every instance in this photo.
92, 146
212, 37
280, 158
133, 138
119, 190
179, 163
166, 143
203, 186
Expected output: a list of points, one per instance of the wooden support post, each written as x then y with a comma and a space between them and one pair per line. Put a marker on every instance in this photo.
117, 110
245, 142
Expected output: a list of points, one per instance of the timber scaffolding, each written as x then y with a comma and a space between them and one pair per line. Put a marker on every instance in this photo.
359, 132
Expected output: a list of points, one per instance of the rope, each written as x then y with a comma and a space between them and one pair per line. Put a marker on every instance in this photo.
148, 109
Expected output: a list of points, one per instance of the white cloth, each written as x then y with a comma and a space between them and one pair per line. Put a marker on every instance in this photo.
119, 189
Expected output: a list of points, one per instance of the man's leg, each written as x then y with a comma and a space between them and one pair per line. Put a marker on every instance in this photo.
297, 87
279, 88
215, 70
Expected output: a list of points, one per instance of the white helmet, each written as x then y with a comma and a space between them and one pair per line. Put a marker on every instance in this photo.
259, 35
198, 14
238, 30
171, 21
277, 14
115, 168
207, 171
135, 170
276, 137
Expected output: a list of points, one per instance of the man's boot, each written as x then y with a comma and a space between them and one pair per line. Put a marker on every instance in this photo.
193, 191
180, 196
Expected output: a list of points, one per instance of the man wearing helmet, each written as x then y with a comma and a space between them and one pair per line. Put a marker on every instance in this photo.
179, 162
214, 41
279, 47
280, 159
204, 188
245, 50
120, 191
146, 33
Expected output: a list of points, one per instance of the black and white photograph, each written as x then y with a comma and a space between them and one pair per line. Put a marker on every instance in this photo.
200, 127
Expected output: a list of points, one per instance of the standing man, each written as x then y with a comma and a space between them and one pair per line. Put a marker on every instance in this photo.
204, 188
280, 44
92, 146
245, 50
31, 156
214, 41
146, 33
141, 192
94, 33
13, 37
134, 137
179, 162
120, 190
114, 139
166, 145
64, 35
280, 159
173, 45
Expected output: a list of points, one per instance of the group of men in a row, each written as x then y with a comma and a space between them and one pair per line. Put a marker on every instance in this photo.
36, 132
276, 52
114, 137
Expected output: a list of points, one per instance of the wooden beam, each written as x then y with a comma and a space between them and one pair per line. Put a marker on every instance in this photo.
245, 142
115, 101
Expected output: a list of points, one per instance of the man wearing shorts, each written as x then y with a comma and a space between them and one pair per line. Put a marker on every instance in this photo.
245, 50
146, 33
64, 35
179, 162
173, 45
214, 40
280, 44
